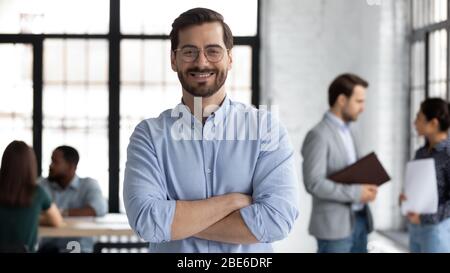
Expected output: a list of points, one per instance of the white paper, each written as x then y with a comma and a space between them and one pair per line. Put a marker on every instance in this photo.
420, 187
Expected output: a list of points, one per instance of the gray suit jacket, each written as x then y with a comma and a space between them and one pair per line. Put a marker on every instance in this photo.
323, 154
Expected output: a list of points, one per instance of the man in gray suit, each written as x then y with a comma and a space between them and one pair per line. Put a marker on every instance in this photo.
340, 218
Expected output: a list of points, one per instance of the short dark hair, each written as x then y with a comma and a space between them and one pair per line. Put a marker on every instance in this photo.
343, 85
18, 174
198, 16
70, 154
439, 109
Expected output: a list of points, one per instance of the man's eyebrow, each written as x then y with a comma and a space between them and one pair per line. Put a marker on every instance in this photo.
188, 45
213, 45
208, 45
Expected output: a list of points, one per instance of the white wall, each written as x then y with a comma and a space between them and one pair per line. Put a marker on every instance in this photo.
305, 44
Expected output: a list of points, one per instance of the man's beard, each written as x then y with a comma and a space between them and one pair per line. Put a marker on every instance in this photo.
203, 90
58, 178
347, 117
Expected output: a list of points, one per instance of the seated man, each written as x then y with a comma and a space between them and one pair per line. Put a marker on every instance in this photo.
73, 195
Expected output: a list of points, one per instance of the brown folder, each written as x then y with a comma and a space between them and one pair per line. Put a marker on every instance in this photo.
367, 170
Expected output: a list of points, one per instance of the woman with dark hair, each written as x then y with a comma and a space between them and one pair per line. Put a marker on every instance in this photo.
23, 203
431, 232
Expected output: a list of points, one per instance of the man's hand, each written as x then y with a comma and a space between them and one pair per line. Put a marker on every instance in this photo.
414, 218
369, 193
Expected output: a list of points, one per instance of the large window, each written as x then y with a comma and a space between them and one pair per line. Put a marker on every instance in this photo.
429, 55
16, 93
84, 73
75, 103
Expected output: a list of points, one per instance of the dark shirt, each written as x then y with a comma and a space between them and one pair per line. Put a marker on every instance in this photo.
441, 155
19, 226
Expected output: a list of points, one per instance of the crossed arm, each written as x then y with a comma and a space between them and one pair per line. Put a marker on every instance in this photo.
217, 219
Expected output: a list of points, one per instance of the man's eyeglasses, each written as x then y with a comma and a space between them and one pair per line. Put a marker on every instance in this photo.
213, 54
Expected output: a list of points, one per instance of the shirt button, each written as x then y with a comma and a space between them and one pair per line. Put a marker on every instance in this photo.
208, 171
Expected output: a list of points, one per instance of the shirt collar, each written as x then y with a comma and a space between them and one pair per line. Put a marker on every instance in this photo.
337, 121
218, 116
74, 184
442, 145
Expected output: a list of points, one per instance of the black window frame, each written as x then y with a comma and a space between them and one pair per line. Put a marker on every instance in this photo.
422, 34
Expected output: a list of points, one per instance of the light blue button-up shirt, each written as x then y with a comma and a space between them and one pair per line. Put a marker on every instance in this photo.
174, 157
81, 192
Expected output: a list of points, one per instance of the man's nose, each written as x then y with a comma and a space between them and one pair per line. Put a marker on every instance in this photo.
201, 59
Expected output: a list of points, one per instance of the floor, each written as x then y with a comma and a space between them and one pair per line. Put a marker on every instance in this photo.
388, 242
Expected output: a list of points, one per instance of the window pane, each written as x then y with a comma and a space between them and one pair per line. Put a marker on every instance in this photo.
418, 65
239, 81
76, 62
438, 11
142, 16
438, 64
417, 89
16, 93
149, 86
75, 104
426, 12
49, 16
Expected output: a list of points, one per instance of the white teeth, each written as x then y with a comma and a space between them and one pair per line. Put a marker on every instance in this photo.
201, 75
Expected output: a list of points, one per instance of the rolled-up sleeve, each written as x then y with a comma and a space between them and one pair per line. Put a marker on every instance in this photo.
149, 212
275, 193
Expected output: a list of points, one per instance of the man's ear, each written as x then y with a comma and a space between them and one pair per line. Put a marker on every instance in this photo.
173, 61
342, 100
230, 59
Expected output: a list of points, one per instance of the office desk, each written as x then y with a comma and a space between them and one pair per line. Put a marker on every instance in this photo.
113, 224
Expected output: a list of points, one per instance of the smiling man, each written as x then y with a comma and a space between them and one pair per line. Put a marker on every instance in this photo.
190, 188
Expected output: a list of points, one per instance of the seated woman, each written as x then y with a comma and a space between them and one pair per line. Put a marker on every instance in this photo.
23, 203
